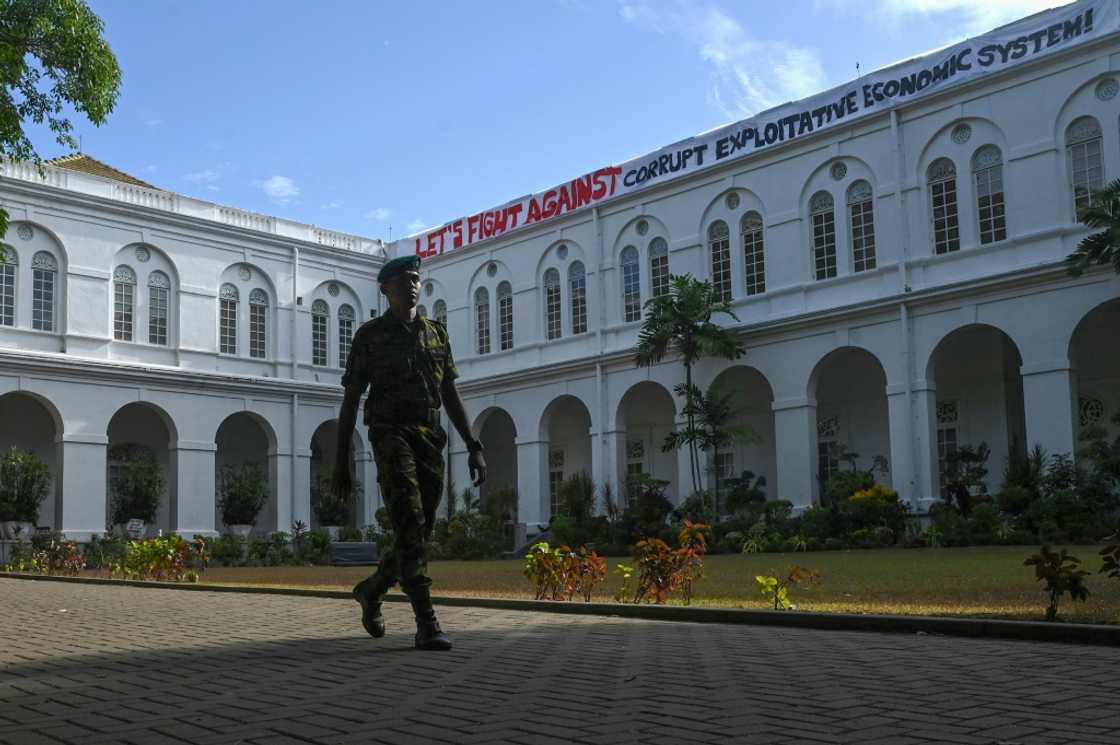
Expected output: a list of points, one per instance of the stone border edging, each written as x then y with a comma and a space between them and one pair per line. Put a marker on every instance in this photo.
1078, 633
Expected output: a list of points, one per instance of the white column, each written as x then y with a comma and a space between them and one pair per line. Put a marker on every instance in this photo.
795, 447
903, 478
194, 487
612, 471
301, 490
461, 473
366, 472
280, 475
84, 473
532, 482
927, 486
1050, 405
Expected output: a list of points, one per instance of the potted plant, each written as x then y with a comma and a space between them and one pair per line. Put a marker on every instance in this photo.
331, 510
136, 488
25, 482
243, 492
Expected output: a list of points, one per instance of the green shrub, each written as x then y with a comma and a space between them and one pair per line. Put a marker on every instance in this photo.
821, 522
25, 482
227, 550
745, 491
242, 493
698, 507
567, 532
168, 557
984, 524
834, 544
330, 508
137, 486
104, 552
843, 484
577, 497
648, 508
952, 528
1062, 576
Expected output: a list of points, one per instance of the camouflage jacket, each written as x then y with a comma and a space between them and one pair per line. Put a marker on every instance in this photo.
404, 366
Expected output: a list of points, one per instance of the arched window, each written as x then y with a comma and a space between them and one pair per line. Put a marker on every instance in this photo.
824, 235
44, 270
8, 266
631, 285
577, 285
159, 290
320, 317
421, 311
987, 172
942, 179
227, 322
258, 324
719, 244
346, 317
861, 216
124, 286
754, 264
1083, 143
552, 316
505, 316
659, 267
482, 320
439, 310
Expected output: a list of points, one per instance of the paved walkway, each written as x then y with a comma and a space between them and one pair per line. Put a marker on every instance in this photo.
87, 665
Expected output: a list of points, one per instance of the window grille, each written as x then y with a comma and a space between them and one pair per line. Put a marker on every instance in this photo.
124, 284
987, 170
659, 267
482, 320
719, 245
1083, 143
754, 264
159, 288
439, 310
227, 323
824, 235
258, 324
346, 317
320, 316
631, 285
577, 285
8, 286
942, 178
552, 323
505, 316
862, 221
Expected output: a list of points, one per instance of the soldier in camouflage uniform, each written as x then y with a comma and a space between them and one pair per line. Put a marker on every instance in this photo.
406, 362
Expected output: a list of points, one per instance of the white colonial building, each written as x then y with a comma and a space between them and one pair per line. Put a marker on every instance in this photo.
899, 283
209, 335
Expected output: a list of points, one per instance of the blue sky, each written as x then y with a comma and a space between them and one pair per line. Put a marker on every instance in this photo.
359, 116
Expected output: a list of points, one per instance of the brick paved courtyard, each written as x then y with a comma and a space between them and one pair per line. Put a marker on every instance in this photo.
88, 664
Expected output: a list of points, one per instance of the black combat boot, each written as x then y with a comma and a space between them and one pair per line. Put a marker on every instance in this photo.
370, 600
428, 633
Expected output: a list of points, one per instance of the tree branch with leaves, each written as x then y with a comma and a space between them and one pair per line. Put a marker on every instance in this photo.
1103, 213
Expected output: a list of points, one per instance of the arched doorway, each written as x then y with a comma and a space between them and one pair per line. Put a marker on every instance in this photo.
975, 370
498, 435
645, 416
850, 388
141, 429
32, 424
566, 427
752, 420
1096, 360
242, 438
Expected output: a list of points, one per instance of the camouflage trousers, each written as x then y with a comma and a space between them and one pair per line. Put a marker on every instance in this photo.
410, 471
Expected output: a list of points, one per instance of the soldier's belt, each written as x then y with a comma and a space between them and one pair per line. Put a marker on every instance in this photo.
403, 416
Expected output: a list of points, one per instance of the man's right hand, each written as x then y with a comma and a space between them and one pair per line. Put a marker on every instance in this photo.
342, 485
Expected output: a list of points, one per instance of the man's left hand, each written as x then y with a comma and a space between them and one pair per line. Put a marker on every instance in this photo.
477, 465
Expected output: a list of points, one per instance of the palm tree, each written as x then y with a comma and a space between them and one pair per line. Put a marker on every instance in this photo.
716, 412
1102, 247
681, 321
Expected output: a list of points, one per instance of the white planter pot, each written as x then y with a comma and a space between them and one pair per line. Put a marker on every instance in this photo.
11, 529
133, 529
332, 531
240, 531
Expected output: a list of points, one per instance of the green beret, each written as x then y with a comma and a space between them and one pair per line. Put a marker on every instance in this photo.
397, 266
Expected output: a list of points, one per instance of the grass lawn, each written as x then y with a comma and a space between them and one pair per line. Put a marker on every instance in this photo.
978, 582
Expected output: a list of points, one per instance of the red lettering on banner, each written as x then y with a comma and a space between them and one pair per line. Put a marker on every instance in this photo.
514, 212
472, 229
534, 211
458, 228
582, 187
548, 202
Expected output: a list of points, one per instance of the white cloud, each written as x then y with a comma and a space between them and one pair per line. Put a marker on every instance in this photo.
381, 214
151, 168
211, 187
153, 122
330, 205
955, 19
203, 177
415, 226
747, 75
280, 189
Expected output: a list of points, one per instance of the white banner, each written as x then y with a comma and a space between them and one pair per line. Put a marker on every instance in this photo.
1022, 41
